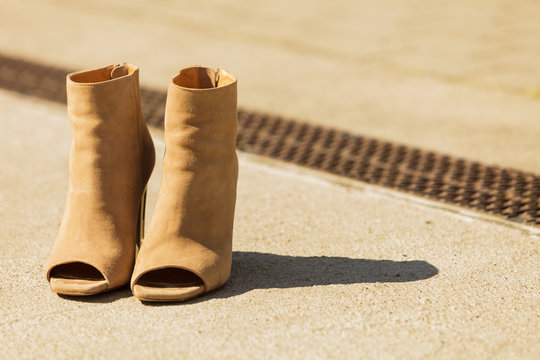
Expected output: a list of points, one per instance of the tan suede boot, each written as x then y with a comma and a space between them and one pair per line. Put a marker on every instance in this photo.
111, 159
188, 248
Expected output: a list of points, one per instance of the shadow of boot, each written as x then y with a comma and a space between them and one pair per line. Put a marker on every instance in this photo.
254, 270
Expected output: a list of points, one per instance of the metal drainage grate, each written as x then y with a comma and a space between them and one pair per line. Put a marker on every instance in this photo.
510, 193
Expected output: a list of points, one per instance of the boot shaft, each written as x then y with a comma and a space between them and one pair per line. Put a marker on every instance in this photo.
200, 165
201, 116
107, 129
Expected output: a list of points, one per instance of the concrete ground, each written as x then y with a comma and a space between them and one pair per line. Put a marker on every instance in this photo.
323, 267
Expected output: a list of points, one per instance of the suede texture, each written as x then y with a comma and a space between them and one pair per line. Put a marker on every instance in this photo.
111, 159
192, 224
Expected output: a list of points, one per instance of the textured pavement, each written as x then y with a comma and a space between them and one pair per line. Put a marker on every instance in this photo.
323, 267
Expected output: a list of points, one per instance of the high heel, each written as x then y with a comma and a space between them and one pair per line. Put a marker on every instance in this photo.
111, 159
188, 249
140, 222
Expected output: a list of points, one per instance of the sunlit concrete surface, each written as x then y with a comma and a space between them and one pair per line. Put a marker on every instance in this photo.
459, 77
323, 267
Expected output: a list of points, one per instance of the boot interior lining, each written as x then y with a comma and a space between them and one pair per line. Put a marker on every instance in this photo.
103, 74
198, 77
77, 270
170, 277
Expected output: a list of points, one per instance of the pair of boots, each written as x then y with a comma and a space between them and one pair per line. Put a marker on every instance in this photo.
188, 248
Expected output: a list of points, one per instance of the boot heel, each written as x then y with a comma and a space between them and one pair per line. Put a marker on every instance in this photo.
140, 221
